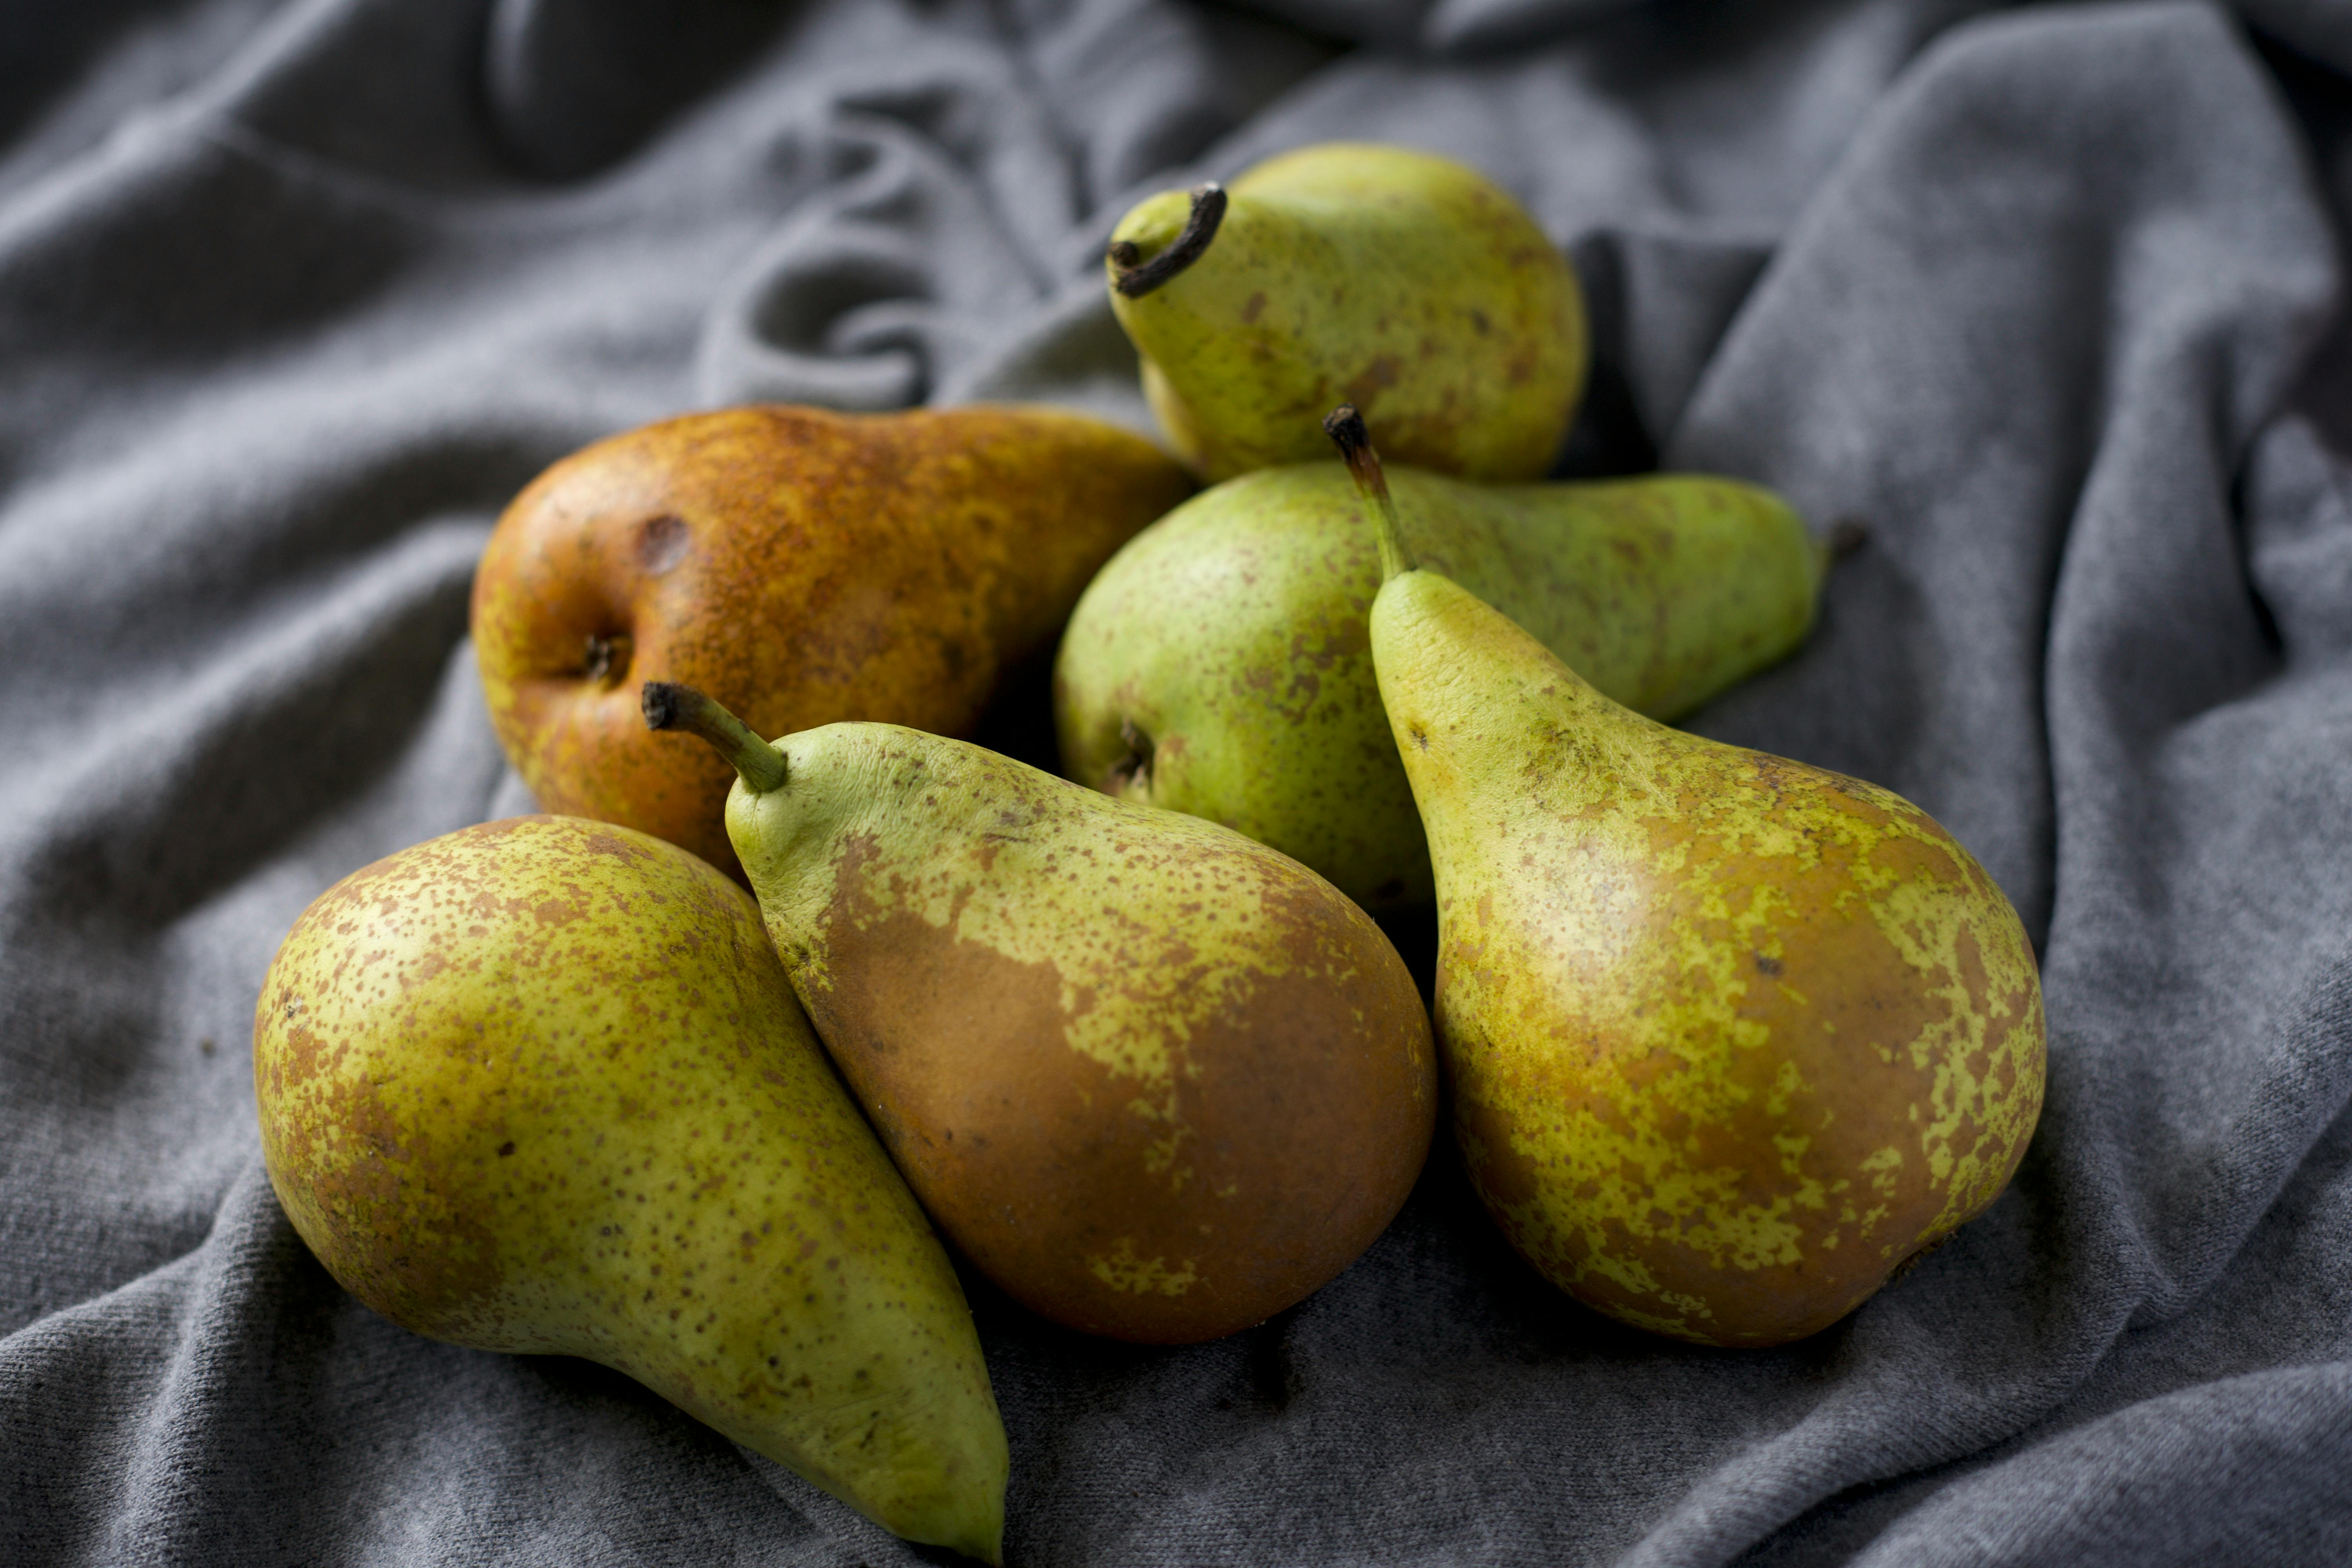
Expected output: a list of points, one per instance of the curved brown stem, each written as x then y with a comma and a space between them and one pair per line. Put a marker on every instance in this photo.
671, 705
1346, 428
1136, 281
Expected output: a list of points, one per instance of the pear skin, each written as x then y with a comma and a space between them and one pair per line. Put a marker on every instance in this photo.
1405, 283
803, 566
1220, 664
1156, 1080
541, 1086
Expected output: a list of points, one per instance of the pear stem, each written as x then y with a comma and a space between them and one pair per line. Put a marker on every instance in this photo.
1346, 428
1136, 281
671, 706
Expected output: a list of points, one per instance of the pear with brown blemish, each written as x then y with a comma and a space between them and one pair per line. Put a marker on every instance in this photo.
541, 1086
1730, 1038
1156, 1080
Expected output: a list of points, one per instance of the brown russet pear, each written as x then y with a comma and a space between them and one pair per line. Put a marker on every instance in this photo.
541, 1086
1155, 1080
1730, 1038
803, 566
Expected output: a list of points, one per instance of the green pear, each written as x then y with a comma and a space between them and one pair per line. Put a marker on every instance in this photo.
1730, 1038
541, 1086
1156, 1080
1219, 664
1402, 282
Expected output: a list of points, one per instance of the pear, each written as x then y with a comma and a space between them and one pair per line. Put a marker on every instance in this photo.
1156, 1080
541, 1086
1730, 1038
803, 565
1404, 282
1219, 665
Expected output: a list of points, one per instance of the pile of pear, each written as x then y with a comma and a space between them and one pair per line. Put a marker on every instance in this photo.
555, 1085
1727, 1039
551, 1085
1220, 664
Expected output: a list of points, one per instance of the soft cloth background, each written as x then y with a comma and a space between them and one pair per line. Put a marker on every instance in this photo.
295, 293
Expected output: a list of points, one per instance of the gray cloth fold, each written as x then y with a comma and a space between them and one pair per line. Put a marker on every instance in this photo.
293, 297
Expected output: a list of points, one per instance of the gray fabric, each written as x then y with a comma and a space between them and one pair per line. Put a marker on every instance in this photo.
294, 296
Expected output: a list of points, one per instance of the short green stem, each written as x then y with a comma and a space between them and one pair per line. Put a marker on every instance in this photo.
671, 706
1346, 428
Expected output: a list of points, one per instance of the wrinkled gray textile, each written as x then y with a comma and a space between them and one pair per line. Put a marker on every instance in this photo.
294, 296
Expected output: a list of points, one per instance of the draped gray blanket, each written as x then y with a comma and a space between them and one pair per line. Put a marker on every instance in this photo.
294, 295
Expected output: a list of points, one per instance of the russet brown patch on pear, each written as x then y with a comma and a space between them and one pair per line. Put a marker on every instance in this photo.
407, 1244
1165, 1213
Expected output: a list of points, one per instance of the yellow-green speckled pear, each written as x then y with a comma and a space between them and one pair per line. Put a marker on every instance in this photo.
1405, 283
541, 1086
1730, 1038
1155, 1080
